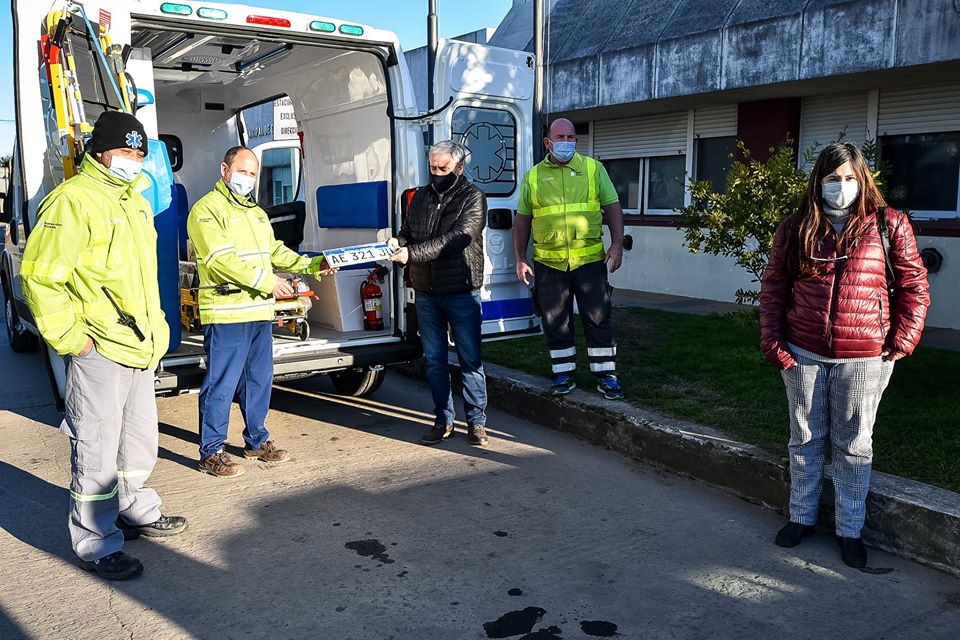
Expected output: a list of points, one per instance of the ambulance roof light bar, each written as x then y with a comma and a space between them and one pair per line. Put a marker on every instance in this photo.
176, 9
269, 21
211, 14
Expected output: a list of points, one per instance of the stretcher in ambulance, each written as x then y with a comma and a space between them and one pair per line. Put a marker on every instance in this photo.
327, 105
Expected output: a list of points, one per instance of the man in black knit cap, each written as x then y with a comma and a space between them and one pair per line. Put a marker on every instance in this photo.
94, 246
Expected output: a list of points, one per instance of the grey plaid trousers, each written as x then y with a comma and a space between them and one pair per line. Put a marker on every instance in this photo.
835, 401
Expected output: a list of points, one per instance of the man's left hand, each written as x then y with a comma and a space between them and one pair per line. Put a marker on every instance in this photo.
325, 269
402, 255
614, 257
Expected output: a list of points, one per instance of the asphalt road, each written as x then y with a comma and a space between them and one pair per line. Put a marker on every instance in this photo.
366, 534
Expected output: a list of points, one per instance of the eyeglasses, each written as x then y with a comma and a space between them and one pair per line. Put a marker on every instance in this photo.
837, 259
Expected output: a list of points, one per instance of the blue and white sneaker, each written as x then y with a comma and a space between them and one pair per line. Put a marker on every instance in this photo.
609, 387
562, 384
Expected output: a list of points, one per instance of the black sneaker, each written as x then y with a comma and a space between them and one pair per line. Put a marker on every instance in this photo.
162, 528
792, 533
852, 551
116, 566
437, 434
477, 435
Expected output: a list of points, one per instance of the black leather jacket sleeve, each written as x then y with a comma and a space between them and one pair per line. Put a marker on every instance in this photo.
466, 229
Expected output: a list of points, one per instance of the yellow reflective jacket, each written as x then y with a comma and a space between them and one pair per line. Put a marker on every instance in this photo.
95, 230
235, 245
567, 215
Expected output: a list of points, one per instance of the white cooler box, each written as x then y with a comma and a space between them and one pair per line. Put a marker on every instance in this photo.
338, 304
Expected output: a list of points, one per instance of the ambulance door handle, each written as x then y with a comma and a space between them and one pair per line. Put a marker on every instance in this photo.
500, 219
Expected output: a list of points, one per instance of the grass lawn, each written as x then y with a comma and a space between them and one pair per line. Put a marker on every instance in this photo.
709, 369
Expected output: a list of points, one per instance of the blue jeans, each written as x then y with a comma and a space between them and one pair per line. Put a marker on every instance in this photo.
462, 312
239, 366
835, 403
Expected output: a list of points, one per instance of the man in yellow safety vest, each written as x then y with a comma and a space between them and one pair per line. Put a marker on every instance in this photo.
565, 199
236, 248
94, 247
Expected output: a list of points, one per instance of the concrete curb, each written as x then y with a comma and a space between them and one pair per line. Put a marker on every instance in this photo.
907, 518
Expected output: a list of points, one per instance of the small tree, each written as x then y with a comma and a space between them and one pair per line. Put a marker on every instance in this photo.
741, 222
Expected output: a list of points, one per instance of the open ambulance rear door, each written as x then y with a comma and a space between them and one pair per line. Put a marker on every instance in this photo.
53, 94
490, 91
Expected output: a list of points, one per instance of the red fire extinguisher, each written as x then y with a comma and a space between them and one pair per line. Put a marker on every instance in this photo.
371, 296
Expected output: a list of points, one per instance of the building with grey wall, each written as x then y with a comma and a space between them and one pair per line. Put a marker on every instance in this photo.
661, 91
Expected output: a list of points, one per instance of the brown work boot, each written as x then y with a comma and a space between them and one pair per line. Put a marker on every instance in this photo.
220, 465
438, 434
477, 435
268, 452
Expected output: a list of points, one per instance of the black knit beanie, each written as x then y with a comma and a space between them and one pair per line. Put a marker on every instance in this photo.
118, 130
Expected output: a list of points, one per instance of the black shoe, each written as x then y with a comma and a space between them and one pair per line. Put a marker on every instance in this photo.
164, 527
116, 566
437, 434
792, 533
853, 552
477, 435
129, 533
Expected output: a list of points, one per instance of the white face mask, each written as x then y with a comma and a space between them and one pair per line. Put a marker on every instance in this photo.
840, 195
241, 184
124, 168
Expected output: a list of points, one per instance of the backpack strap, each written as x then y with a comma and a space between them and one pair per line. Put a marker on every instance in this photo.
885, 241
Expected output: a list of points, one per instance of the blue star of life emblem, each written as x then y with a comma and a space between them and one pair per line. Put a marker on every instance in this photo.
134, 140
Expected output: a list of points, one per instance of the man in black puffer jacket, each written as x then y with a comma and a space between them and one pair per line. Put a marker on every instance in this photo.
442, 240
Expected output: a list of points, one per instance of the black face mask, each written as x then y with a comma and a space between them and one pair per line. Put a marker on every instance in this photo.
444, 182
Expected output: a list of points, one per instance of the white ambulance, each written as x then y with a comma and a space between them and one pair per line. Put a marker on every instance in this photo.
347, 146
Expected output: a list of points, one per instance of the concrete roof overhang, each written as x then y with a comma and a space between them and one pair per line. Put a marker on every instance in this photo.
613, 55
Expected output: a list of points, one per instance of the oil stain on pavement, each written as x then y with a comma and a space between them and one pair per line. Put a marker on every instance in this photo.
514, 623
371, 548
599, 628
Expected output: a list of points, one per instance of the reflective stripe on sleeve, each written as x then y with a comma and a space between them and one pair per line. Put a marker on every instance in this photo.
219, 251
261, 276
252, 253
56, 272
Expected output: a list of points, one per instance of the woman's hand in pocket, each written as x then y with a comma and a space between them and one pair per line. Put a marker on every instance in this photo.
891, 355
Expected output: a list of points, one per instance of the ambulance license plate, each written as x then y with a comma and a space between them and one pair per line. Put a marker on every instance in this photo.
358, 254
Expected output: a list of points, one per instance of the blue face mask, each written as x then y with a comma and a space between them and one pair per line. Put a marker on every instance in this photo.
563, 151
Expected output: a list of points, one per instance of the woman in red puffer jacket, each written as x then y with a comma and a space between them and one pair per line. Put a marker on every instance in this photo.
831, 324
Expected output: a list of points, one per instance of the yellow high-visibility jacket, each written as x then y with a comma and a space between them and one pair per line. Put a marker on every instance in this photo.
234, 243
95, 230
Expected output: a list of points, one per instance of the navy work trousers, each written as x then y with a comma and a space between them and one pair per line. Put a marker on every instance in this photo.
239, 366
